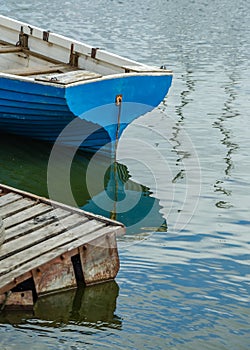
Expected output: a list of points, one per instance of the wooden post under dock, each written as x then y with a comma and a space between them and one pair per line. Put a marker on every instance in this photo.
50, 246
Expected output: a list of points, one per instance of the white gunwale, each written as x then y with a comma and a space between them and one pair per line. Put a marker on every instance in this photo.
58, 49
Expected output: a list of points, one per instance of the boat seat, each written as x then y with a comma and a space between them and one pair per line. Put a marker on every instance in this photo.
9, 49
69, 77
36, 70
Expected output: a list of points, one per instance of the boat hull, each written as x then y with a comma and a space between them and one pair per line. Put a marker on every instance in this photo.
84, 115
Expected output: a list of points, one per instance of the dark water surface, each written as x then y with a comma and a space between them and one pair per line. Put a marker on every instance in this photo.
184, 281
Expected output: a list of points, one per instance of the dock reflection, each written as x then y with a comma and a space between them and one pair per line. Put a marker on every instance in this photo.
92, 306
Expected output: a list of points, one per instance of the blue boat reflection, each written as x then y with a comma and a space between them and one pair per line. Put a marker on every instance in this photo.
107, 189
127, 201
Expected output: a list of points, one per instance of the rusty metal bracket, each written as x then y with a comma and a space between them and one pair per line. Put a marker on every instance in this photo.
23, 40
31, 30
118, 100
94, 51
74, 57
46, 35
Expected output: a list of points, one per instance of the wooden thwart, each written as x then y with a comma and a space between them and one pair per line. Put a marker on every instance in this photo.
69, 77
43, 241
27, 71
9, 49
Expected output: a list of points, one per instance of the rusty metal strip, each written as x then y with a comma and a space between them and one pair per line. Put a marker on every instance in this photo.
54, 275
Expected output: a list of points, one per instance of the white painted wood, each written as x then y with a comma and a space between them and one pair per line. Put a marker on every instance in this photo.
58, 48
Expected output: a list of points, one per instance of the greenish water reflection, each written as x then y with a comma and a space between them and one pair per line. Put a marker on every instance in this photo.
89, 306
94, 182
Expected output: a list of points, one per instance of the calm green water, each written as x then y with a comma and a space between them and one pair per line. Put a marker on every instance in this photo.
184, 280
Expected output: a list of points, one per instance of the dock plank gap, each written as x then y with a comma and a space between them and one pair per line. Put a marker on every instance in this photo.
49, 246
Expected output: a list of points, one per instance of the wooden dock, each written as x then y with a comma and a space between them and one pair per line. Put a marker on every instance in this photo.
49, 246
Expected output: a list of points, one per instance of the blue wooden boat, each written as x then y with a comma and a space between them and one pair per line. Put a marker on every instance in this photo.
55, 88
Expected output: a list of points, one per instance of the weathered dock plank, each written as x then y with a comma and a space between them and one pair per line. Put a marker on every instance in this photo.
51, 239
31, 212
34, 223
13, 208
33, 239
9, 198
44, 242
